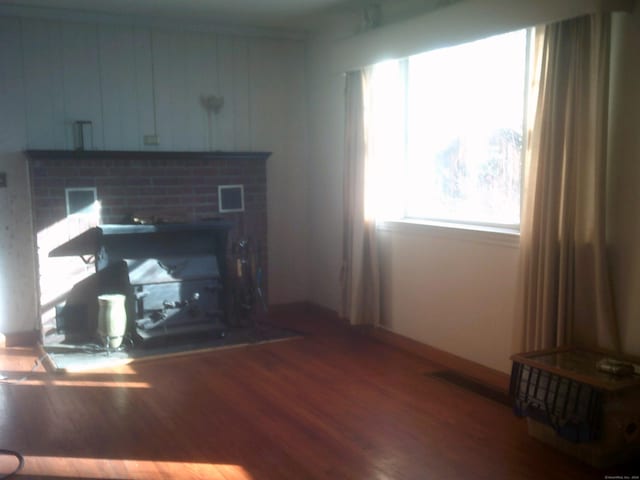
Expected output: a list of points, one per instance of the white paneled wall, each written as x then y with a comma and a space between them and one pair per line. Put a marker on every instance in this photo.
131, 81
144, 83
44, 82
81, 89
122, 102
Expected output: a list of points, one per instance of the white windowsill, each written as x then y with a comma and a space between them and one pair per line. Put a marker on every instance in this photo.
460, 232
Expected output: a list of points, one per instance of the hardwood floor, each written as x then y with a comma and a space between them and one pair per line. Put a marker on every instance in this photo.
333, 405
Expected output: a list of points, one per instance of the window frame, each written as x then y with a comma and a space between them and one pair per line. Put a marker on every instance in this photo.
455, 224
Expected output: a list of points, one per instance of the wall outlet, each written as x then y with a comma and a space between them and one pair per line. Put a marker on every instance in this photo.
3, 180
151, 140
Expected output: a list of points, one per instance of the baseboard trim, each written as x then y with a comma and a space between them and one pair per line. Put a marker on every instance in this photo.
480, 373
20, 339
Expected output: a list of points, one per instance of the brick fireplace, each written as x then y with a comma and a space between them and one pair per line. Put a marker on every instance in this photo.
156, 187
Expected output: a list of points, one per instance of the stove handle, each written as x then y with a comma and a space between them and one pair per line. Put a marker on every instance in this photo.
140, 295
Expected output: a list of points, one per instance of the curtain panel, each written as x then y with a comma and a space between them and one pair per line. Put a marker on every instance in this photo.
565, 296
360, 275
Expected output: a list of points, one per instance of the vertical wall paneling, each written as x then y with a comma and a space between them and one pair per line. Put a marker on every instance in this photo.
241, 97
169, 66
200, 52
163, 82
225, 118
266, 91
185, 67
44, 84
81, 74
119, 92
12, 116
145, 86
135, 81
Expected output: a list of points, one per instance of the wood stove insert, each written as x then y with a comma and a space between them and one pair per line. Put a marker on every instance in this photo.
174, 275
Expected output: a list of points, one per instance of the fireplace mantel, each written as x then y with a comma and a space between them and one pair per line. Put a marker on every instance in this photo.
143, 155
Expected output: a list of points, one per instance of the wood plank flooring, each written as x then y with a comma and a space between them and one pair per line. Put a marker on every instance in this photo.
333, 405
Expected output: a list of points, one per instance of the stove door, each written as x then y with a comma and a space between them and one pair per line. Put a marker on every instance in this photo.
167, 308
176, 295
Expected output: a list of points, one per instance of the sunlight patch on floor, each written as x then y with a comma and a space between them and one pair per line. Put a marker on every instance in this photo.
85, 468
84, 383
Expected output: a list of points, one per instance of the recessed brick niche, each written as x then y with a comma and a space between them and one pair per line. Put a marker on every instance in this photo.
164, 186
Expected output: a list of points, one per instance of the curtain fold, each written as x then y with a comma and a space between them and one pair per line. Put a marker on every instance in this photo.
360, 275
565, 295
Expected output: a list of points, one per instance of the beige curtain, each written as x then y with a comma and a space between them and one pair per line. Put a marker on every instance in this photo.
360, 267
565, 293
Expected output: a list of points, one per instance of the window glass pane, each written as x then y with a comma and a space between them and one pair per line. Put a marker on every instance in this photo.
385, 116
464, 131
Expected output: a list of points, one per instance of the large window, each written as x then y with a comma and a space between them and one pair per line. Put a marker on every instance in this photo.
447, 133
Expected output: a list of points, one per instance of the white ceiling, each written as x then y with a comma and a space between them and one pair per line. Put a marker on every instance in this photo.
259, 13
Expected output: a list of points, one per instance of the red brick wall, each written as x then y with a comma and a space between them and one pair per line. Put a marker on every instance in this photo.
173, 187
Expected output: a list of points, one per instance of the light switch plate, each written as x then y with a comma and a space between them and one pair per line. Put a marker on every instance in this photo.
3, 180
